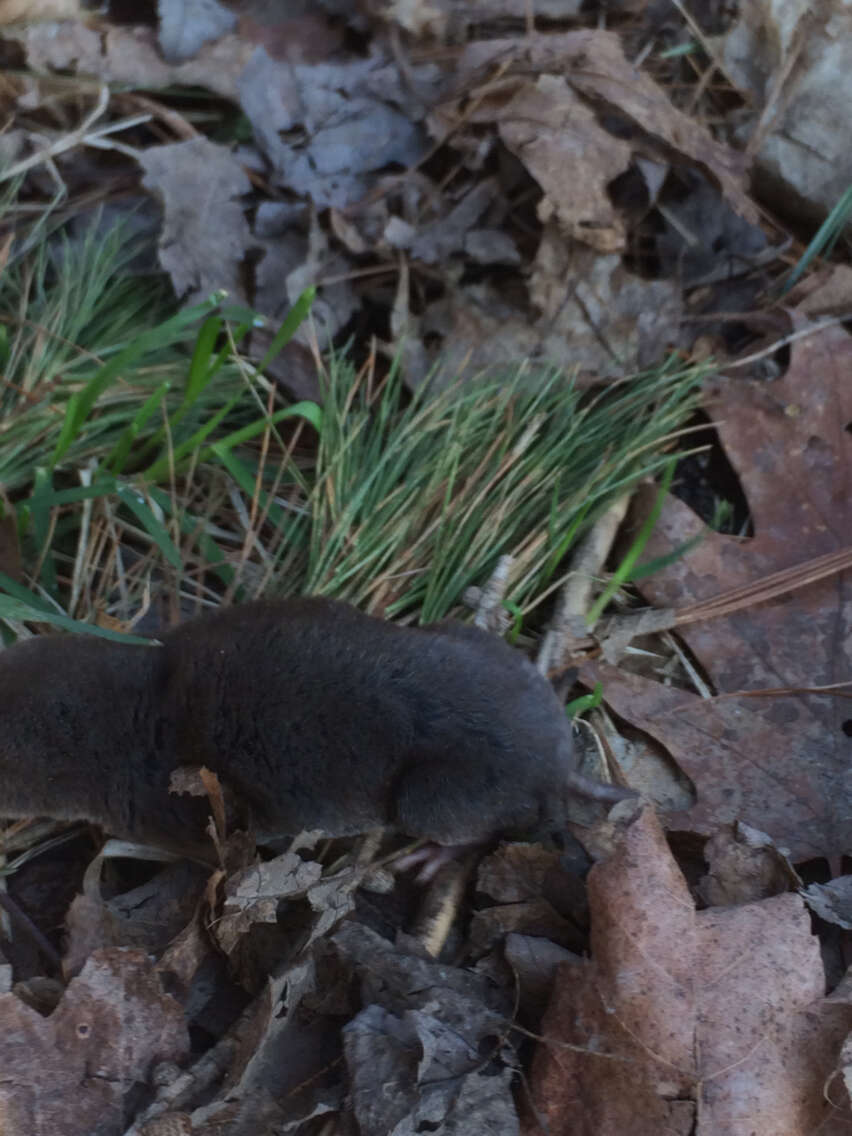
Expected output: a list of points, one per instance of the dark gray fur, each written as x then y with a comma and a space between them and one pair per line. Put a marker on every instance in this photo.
314, 714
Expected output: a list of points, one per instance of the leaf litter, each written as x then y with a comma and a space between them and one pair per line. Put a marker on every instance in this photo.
689, 1021
780, 761
467, 194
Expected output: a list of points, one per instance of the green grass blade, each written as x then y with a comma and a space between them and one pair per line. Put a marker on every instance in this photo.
585, 702
309, 411
151, 524
628, 563
80, 403
116, 460
199, 367
567, 539
192, 527
163, 466
289, 326
641, 571
22, 606
247, 482
39, 513
203, 369
50, 498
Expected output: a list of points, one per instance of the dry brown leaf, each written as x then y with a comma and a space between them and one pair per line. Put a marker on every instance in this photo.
534, 963
782, 764
844, 1068
277, 1057
596, 316
825, 291
456, 21
11, 11
470, 329
700, 240
437, 240
516, 872
307, 38
294, 260
170, 1124
414, 1053
216, 799
418, 17
743, 865
187, 779
590, 64
147, 916
332, 899
129, 55
793, 62
190, 947
704, 1023
558, 138
68, 1073
253, 894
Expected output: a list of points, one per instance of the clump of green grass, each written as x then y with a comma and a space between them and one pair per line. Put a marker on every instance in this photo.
105, 399
410, 501
143, 454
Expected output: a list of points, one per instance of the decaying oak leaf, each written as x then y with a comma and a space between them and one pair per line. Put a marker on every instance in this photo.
69, 1073
689, 1022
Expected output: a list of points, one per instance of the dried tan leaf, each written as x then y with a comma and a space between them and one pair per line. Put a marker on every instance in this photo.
793, 63
744, 865
516, 872
592, 64
187, 25
689, 1022
558, 138
129, 55
12, 11
68, 1073
147, 916
596, 316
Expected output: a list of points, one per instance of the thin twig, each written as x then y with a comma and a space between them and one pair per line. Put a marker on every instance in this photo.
83, 135
802, 333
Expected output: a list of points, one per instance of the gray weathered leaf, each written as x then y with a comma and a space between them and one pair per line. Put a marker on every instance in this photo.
186, 25
322, 127
205, 234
